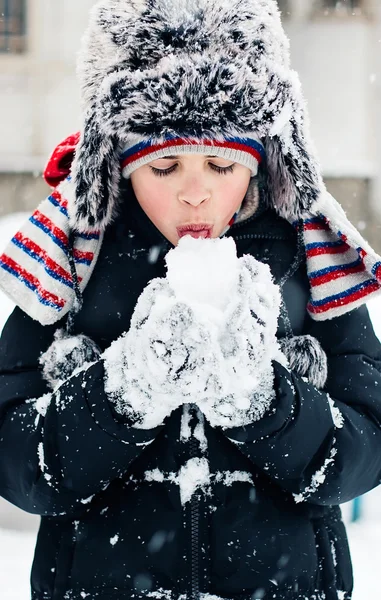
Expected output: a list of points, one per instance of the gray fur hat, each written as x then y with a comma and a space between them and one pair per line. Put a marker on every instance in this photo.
208, 69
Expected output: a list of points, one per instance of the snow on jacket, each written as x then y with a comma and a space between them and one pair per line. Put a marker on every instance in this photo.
250, 512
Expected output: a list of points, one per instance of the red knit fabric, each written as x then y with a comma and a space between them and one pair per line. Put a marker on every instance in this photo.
59, 164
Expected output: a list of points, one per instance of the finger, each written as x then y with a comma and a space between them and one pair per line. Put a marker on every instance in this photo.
157, 289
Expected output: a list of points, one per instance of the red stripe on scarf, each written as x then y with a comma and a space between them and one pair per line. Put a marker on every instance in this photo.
21, 272
362, 293
50, 263
327, 277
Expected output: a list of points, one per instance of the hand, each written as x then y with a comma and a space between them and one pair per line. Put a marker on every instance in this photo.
168, 357
252, 317
248, 344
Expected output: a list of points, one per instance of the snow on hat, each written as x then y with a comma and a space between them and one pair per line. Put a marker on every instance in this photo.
245, 150
189, 69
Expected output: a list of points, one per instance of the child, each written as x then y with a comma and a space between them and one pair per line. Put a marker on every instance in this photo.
187, 423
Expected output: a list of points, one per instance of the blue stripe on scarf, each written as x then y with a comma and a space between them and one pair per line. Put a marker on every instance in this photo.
39, 259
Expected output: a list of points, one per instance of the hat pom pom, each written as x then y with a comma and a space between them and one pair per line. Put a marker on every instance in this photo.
307, 358
65, 355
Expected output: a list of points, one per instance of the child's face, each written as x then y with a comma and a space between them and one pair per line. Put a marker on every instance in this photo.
191, 194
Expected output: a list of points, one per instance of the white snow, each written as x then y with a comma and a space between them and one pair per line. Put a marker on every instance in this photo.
185, 428
199, 432
41, 404
203, 271
230, 477
374, 307
87, 500
16, 556
318, 478
337, 416
40, 451
194, 475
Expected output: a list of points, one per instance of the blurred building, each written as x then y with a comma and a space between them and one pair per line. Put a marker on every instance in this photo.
335, 47
39, 99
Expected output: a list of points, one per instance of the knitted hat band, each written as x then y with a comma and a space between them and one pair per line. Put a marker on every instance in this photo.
247, 151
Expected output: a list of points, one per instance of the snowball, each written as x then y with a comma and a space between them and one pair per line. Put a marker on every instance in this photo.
203, 271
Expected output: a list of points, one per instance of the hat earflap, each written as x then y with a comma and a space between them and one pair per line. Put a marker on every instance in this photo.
293, 177
96, 173
307, 358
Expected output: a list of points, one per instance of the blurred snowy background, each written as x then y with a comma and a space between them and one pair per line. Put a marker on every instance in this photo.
335, 47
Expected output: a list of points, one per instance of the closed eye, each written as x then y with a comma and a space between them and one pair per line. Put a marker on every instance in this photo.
223, 170
220, 170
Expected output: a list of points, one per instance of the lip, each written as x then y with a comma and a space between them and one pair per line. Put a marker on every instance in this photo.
196, 230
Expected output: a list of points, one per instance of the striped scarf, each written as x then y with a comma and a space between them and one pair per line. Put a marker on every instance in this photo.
36, 268
343, 270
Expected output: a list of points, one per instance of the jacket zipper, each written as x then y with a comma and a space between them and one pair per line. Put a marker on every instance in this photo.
195, 523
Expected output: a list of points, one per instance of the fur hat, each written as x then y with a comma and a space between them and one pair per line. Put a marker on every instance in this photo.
205, 69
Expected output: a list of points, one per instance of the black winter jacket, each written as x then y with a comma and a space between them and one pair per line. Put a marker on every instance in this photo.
110, 532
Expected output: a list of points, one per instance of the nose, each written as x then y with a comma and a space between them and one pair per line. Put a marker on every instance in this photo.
193, 200
193, 192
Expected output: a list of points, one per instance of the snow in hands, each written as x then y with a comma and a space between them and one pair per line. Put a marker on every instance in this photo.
206, 333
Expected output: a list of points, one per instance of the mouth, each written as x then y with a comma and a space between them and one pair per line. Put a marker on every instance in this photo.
195, 230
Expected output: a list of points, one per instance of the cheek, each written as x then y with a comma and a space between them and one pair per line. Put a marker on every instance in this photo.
231, 195
153, 197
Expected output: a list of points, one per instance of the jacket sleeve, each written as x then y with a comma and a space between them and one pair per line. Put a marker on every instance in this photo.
58, 449
324, 446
